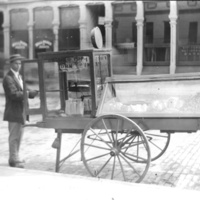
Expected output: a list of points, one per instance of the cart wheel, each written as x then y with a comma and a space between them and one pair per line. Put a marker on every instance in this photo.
115, 147
158, 143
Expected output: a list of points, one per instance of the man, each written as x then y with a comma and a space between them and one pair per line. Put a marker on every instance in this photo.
14, 109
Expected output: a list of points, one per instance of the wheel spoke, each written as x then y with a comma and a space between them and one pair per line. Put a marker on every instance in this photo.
94, 137
158, 142
128, 154
103, 166
113, 168
134, 144
85, 150
101, 139
144, 143
104, 124
126, 135
117, 130
98, 147
113, 138
155, 145
131, 139
121, 166
137, 147
97, 157
129, 164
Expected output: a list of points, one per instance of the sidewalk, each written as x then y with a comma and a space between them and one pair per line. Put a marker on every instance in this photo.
45, 185
179, 167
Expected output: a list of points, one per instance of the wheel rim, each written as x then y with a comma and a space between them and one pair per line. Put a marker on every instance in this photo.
158, 143
114, 147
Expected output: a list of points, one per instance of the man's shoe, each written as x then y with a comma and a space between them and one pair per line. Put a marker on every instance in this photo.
16, 164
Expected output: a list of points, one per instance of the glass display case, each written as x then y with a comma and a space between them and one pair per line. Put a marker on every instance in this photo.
151, 96
70, 84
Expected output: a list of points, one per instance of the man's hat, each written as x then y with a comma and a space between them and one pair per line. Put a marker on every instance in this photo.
15, 57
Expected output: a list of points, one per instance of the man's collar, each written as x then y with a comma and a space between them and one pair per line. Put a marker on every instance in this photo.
14, 72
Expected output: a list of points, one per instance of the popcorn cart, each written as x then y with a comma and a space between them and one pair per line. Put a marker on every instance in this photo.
125, 122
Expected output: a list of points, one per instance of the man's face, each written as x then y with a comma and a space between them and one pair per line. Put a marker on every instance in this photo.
16, 65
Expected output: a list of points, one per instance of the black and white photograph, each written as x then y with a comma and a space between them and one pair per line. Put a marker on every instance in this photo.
99, 100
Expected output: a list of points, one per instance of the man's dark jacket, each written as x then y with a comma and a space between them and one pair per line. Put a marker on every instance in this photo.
14, 108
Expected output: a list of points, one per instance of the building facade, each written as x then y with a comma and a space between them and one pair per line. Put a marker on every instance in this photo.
146, 37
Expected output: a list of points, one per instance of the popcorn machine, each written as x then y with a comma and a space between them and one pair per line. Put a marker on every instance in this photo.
70, 84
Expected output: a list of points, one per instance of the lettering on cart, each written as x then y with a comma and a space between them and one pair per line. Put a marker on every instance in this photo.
74, 64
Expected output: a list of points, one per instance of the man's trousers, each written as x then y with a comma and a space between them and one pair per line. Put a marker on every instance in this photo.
16, 131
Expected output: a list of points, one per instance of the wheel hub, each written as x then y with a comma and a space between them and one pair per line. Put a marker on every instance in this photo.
114, 152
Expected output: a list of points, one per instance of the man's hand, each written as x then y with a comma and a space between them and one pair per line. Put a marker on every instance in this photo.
32, 94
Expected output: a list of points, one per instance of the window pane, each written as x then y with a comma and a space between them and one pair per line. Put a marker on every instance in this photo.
43, 41
19, 19
52, 88
193, 27
102, 71
149, 32
46, 14
156, 33
67, 81
69, 39
188, 33
124, 34
1, 32
69, 17
19, 42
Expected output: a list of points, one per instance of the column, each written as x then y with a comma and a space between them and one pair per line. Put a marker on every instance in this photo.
140, 24
56, 38
173, 21
56, 24
83, 26
6, 32
108, 24
30, 33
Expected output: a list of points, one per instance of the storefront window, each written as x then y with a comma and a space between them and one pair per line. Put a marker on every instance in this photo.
1, 32
43, 33
69, 39
19, 42
43, 41
156, 33
69, 34
188, 33
19, 31
124, 34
